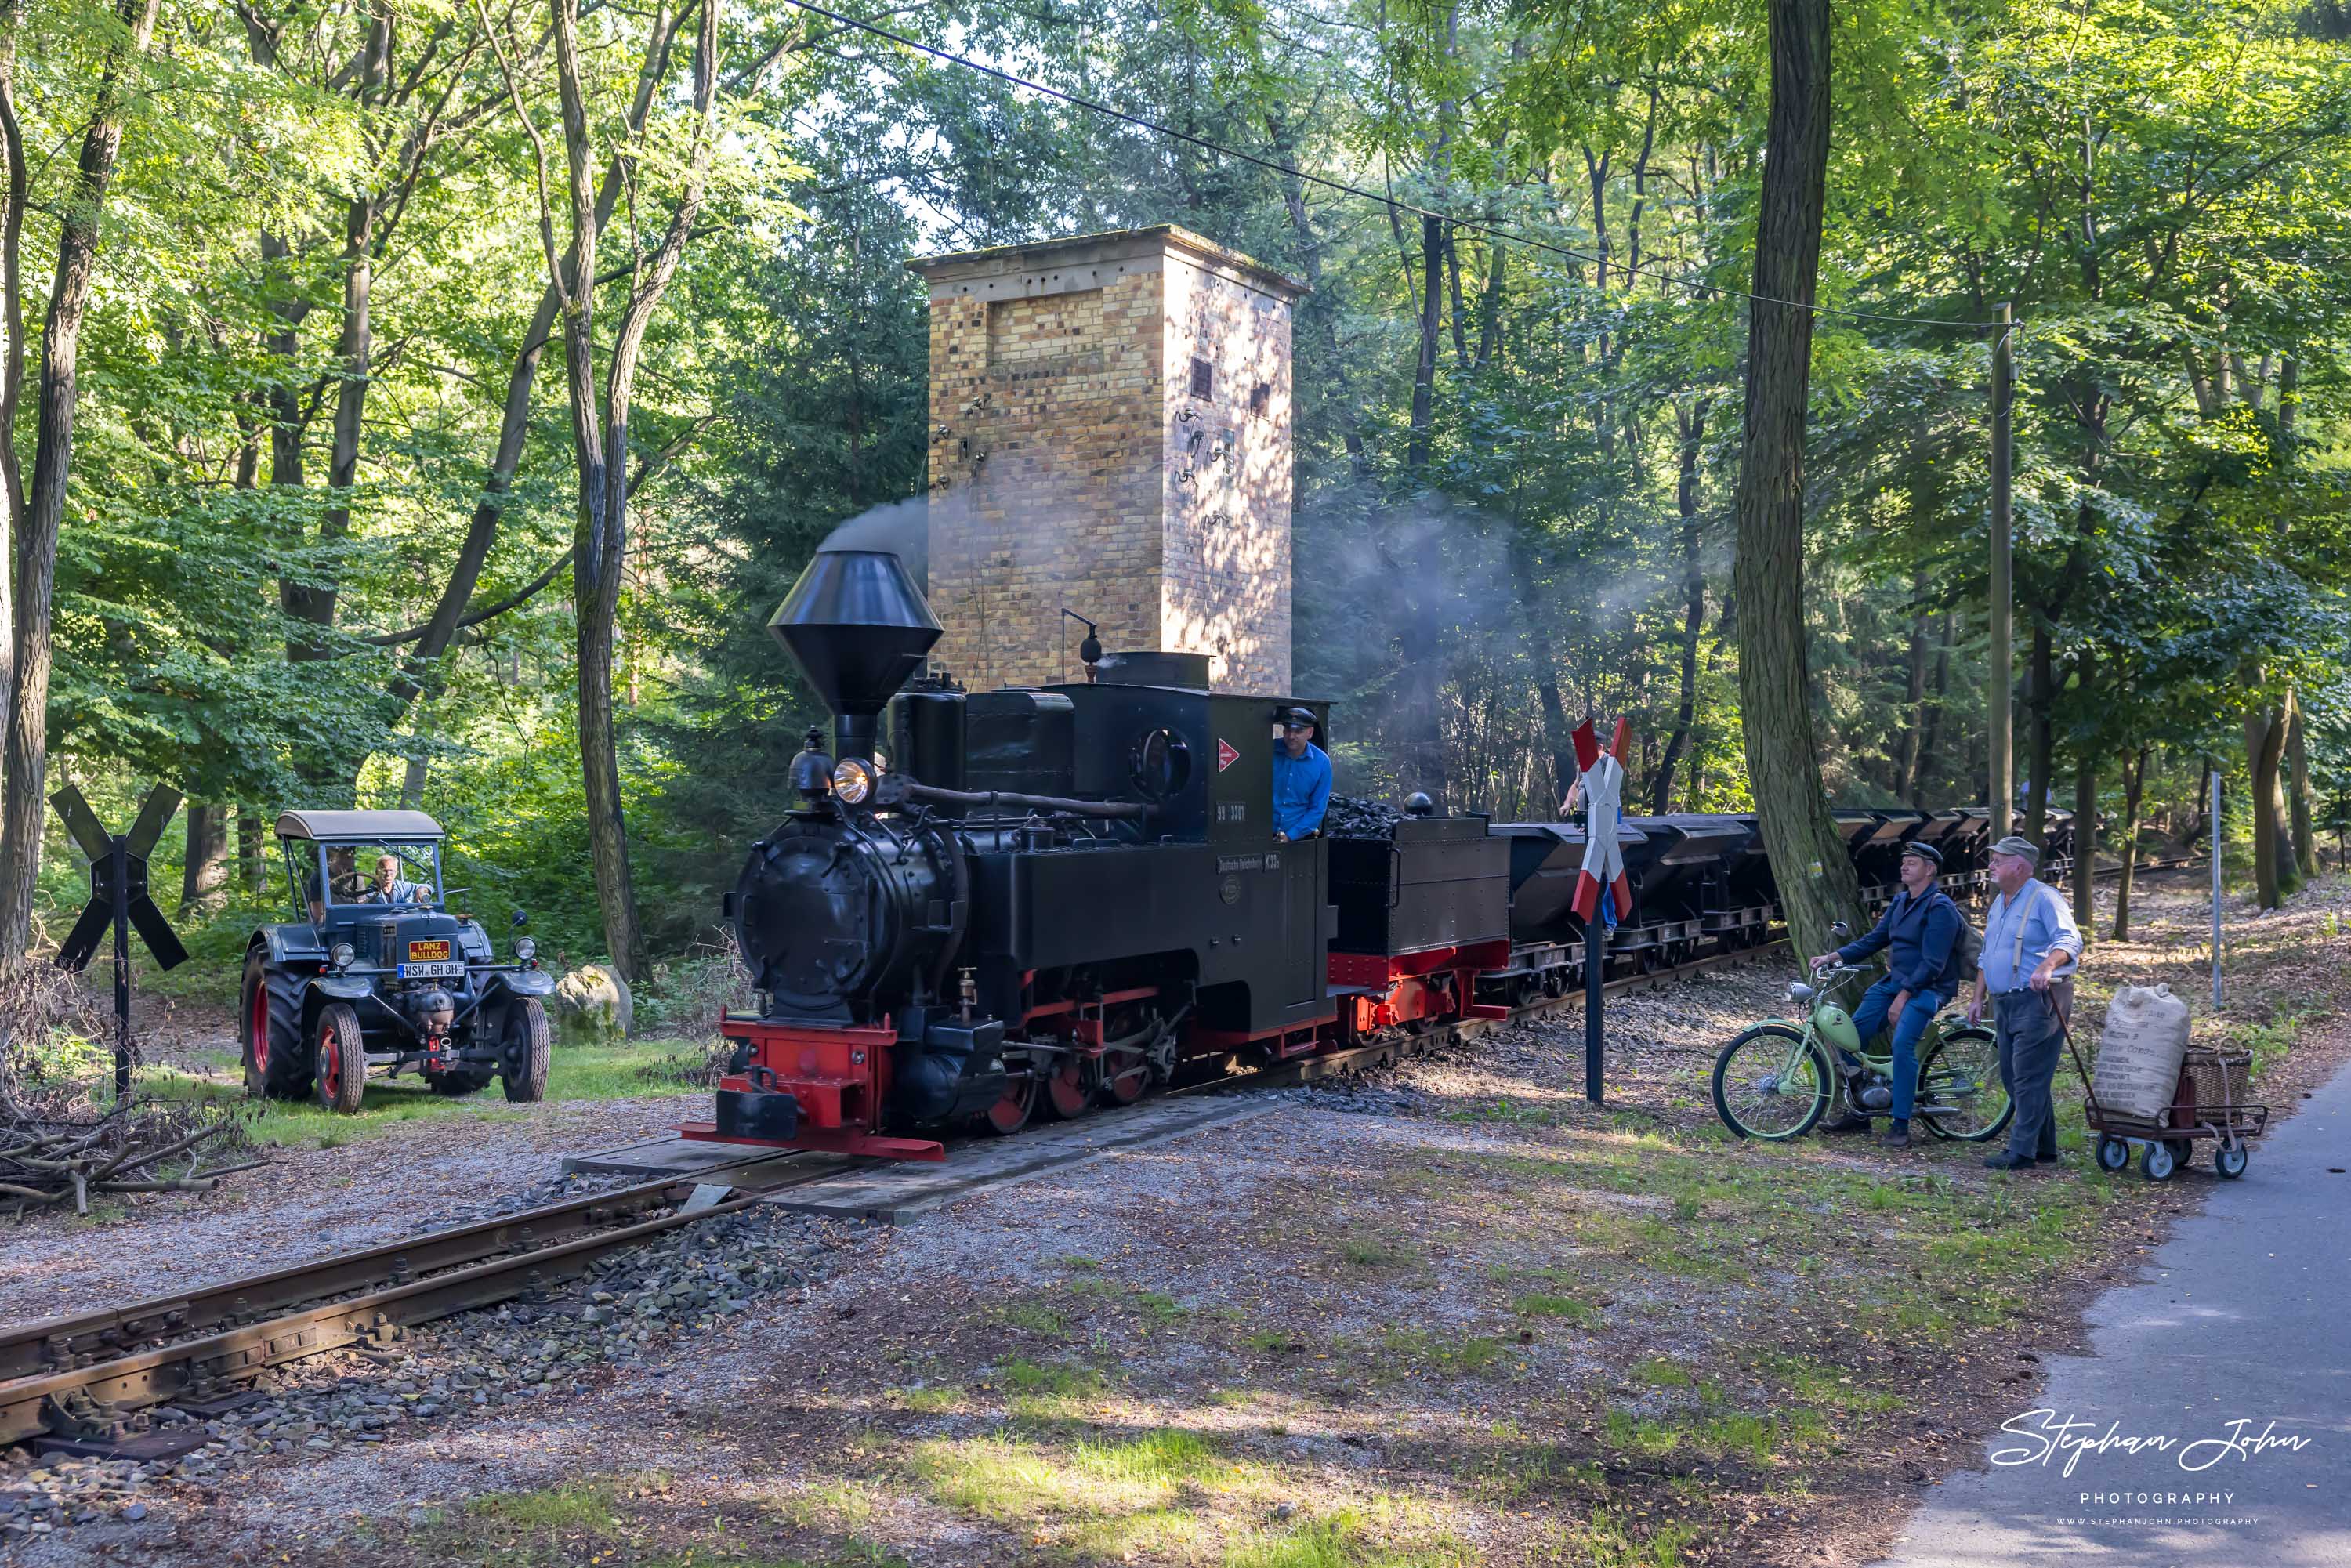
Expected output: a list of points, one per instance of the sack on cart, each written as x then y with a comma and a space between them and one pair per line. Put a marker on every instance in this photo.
2139, 1052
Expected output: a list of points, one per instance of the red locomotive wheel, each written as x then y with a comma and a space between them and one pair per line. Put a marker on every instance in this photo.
1067, 1093
1125, 1076
1011, 1114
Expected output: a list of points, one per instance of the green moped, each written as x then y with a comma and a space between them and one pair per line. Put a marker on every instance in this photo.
1778, 1078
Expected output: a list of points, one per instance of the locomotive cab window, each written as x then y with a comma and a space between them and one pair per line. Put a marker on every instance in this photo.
1161, 764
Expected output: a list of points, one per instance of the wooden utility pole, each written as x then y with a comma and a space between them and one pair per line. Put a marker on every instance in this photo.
2003, 664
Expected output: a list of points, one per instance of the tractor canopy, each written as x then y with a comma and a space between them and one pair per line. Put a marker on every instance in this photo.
340, 859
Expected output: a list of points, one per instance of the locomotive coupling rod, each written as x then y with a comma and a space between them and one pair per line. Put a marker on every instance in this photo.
901, 789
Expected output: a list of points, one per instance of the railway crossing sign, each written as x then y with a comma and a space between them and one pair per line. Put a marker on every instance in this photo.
118, 898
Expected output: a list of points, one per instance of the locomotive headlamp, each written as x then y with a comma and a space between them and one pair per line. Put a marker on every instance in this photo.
526, 949
342, 954
852, 780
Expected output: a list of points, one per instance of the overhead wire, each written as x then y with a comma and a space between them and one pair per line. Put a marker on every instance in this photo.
1277, 166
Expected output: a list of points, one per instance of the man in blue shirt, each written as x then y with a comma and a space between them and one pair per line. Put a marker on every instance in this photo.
1301, 779
2031, 944
1922, 926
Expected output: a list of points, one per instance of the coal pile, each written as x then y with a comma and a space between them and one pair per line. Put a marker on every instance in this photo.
1350, 817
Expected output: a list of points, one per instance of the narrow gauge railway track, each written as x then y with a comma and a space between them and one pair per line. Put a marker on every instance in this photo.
84, 1379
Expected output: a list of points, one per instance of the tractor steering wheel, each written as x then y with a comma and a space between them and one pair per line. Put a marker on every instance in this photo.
350, 888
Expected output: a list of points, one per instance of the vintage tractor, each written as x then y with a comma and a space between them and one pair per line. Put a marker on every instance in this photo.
375, 976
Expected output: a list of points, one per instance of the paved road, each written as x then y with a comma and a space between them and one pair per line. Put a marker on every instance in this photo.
2245, 1318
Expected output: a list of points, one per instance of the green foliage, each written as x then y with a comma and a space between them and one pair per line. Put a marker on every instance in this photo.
2157, 188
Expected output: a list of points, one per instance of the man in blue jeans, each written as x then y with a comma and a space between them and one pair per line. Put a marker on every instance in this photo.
1922, 926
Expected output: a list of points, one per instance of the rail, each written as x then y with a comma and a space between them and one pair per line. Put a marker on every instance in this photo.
83, 1379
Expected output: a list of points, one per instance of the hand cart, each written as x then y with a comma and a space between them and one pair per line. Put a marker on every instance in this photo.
2208, 1103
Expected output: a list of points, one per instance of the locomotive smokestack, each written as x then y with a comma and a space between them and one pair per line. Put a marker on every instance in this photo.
856, 626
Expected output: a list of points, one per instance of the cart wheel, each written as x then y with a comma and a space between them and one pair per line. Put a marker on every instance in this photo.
2229, 1159
2158, 1164
2114, 1155
2182, 1150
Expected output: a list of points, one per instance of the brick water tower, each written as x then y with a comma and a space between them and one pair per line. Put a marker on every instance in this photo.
1110, 431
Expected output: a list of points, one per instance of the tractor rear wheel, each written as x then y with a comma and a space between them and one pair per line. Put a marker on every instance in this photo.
270, 1032
341, 1076
526, 1052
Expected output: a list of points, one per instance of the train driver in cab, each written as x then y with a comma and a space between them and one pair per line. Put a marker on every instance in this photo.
1301, 779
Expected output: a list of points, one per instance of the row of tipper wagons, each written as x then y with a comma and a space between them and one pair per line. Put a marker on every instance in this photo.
1701, 885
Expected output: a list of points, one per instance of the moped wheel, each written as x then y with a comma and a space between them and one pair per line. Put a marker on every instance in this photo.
1772, 1083
1960, 1096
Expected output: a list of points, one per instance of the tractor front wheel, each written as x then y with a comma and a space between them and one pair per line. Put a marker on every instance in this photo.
340, 1078
526, 1052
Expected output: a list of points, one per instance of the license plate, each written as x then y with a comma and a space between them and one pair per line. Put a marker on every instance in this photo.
449, 971
428, 952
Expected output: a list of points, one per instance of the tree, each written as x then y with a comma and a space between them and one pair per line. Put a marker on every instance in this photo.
599, 419
1816, 880
22, 807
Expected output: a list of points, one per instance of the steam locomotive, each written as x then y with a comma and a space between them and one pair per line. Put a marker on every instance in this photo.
1056, 897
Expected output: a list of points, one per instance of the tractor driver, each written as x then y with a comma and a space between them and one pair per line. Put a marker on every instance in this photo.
388, 887
1301, 779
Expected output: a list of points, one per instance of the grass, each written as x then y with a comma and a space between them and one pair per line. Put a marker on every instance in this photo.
577, 1072
1444, 1352
1373, 1252
1572, 1310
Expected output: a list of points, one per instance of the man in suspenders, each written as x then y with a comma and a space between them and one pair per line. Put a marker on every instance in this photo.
2031, 944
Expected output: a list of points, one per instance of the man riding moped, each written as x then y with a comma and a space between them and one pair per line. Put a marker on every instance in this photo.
1923, 927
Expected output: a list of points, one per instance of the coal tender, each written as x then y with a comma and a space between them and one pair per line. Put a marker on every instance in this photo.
1053, 898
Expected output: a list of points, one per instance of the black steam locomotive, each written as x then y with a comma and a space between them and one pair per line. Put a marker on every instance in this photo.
1056, 897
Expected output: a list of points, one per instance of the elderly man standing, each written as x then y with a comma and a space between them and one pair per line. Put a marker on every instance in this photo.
2031, 944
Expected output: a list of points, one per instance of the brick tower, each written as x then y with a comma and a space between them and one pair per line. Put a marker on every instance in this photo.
1110, 431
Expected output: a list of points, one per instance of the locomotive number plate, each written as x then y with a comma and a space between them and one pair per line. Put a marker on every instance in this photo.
448, 971
428, 952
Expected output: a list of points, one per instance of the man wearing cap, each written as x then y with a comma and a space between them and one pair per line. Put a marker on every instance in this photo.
1301, 779
2029, 946
1922, 926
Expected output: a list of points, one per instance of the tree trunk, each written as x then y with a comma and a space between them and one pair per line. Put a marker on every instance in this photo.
2300, 804
1816, 880
22, 804
12, 324
1424, 373
2265, 729
1558, 742
204, 873
252, 857
1691, 426
1913, 711
1931, 724
2133, 787
601, 438
2040, 701
2085, 841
